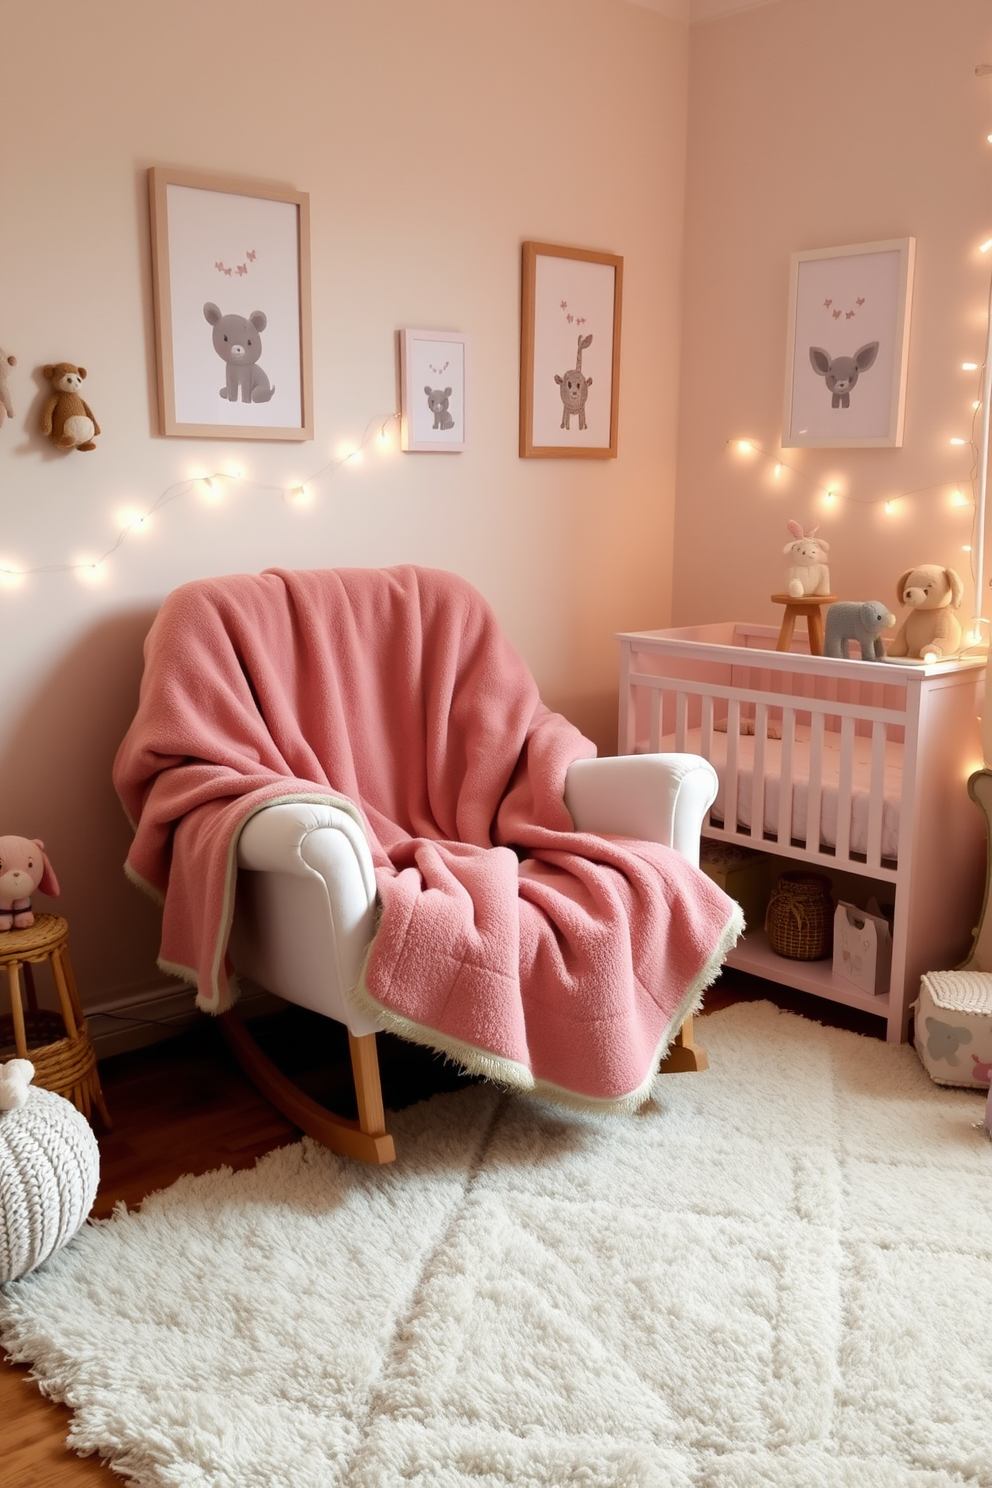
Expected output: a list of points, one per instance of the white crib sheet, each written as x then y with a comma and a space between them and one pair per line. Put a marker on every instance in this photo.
860, 785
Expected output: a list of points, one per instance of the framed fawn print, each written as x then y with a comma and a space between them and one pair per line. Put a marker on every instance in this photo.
847, 347
231, 276
432, 391
569, 352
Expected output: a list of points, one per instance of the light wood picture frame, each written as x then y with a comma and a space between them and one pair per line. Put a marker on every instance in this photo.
570, 311
231, 279
433, 391
847, 345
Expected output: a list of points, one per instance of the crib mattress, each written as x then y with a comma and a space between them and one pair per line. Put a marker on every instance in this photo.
830, 776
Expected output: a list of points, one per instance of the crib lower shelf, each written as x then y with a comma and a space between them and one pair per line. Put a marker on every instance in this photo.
753, 954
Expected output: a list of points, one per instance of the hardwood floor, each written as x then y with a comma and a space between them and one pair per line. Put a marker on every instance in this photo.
185, 1107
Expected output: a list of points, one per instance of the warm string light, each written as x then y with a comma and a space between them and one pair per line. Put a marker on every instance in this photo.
829, 494
212, 488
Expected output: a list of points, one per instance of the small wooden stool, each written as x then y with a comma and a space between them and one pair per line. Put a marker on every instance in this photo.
58, 1047
809, 606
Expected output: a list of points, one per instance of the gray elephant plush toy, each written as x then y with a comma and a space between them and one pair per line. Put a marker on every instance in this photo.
861, 622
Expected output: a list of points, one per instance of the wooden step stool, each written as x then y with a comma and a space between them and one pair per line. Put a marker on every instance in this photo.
808, 607
58, 1046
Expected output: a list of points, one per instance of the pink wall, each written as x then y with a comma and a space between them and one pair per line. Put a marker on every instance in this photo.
816, 125
432, 141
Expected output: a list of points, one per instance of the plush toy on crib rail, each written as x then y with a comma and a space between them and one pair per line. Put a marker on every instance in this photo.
807, 572
930, 629
847, 621
23, 868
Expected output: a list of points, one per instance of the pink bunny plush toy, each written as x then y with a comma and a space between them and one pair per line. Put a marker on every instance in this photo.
807, 572
23, 868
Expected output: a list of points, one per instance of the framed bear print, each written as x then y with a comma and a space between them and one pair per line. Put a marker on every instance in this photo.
432, 391
569, 352
231, 277
848, 345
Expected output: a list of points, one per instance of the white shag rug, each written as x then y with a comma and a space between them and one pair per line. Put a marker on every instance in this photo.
778, 1273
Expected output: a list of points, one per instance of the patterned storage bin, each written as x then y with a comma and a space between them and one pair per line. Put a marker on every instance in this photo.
953, 1027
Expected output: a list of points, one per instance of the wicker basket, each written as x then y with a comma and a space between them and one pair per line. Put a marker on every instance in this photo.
57, 1044
62, 1064
799, 921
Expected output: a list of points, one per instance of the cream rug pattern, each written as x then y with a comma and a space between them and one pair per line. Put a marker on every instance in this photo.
778, 1273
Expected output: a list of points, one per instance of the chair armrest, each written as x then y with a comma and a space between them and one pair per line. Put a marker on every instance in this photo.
305, 905
655, 797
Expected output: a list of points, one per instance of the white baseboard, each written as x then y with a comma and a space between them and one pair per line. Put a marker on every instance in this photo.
146, 1018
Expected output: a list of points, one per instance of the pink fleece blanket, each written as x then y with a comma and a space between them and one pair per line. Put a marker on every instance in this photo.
537, 955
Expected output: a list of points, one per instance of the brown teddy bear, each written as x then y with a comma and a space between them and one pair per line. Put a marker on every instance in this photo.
6, 407
929, 629
66, 417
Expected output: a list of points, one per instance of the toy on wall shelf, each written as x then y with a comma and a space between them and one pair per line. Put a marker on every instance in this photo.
807, 572
849, 621
930, 629
23, 869
6, 407
67, 418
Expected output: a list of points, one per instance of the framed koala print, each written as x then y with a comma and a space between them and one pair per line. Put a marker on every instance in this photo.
848, 345
231, 276
569, 352
432, 391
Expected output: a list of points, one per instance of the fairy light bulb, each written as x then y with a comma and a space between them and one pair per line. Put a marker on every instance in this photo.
969, 366
984, 247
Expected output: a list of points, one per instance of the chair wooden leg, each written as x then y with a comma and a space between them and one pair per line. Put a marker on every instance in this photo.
355, 1139
368, 1087
684, 1054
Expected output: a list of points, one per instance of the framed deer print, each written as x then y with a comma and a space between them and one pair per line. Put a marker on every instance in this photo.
231, 276
848, 345
569, 352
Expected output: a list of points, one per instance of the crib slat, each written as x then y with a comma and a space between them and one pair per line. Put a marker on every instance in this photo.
815, 788
845, 779
758, 772
654, 730
706, 727
680, 721
876, 795
785, 776
730, 774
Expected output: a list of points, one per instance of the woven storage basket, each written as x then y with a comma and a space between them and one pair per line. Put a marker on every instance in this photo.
799, 921
953, 1027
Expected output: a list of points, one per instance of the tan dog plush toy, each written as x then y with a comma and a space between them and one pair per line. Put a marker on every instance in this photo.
67, 419
930, 629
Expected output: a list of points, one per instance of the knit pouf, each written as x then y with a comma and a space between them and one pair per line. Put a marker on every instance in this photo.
49, 1170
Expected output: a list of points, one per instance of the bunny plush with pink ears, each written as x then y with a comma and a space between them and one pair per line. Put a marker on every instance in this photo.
807, 572
23, 868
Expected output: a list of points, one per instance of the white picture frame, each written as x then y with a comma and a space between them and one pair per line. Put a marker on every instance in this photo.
241, 248
847, 345
433, 391
570, 308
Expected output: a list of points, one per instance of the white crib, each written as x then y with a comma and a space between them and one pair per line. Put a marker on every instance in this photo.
857, 769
